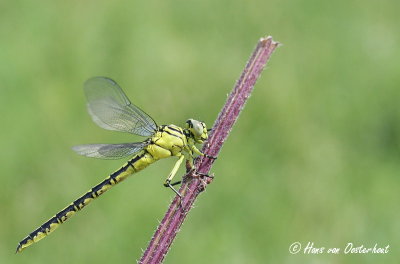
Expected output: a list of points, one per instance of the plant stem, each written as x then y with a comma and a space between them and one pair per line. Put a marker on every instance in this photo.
193, 182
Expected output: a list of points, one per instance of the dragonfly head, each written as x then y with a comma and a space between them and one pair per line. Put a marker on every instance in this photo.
197, 129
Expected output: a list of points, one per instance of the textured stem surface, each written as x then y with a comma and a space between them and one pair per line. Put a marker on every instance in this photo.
193, 184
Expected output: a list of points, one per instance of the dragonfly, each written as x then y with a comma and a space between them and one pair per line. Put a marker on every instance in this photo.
111, 109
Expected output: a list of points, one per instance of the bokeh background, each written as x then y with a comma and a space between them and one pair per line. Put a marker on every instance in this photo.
314, 157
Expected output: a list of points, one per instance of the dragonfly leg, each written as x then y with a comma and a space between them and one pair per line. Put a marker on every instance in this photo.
202, 175
198, 152
210, 157
204, 182
176, 183
196, 174
167, 182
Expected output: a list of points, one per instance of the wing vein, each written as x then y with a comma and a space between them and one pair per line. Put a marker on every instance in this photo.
111, 109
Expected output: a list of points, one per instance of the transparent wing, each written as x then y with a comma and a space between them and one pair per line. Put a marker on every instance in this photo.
111, 109
109, 151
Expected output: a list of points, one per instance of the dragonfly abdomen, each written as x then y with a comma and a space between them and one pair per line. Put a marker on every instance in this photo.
137, 163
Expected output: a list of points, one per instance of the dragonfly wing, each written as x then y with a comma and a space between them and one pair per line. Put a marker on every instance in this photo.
111, 109
109, 151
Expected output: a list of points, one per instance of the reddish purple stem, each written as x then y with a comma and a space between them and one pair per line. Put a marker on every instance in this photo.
193, 184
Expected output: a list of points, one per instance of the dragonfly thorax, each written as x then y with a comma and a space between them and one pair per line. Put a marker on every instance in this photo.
197, 130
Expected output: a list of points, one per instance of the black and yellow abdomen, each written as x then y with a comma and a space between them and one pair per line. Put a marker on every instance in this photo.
140, 161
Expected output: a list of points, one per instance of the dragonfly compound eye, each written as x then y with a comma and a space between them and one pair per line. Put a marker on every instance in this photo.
198, 129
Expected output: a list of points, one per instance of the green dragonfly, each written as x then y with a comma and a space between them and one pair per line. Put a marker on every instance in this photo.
111, 109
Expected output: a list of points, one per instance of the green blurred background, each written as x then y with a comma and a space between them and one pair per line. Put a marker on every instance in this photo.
315, 155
